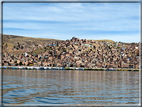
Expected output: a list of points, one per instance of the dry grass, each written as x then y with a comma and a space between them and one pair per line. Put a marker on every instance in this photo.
107, 40
11, 40
16, 52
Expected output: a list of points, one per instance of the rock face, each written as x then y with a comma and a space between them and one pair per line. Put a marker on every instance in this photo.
75, 53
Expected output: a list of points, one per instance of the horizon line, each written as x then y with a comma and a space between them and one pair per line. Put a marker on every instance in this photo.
67, 39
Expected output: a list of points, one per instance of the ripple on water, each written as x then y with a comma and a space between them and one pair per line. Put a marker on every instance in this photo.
20, 93
53, 100
11, 86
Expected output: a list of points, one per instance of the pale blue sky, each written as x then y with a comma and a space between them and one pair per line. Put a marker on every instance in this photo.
115, 21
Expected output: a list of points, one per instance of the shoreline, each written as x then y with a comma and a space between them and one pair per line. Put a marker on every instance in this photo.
66, 68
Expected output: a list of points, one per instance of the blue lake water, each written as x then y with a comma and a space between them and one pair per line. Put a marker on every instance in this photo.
70, 87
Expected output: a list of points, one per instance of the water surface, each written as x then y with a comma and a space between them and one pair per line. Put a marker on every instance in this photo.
70, 87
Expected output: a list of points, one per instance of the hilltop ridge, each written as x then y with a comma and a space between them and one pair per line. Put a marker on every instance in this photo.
11, 41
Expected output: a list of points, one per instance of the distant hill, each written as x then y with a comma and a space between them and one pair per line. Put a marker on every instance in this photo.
19, 44
12, 40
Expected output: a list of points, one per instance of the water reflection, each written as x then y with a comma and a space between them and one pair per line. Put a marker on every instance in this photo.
70, 87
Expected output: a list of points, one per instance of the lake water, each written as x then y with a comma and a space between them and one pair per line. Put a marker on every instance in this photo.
70, 87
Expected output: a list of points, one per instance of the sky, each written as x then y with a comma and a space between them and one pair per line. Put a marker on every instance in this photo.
115, 21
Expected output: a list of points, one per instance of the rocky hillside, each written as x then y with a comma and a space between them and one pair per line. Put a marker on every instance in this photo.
71, 53
20, 44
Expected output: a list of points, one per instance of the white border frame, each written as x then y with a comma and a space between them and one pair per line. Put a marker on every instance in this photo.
79, 1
